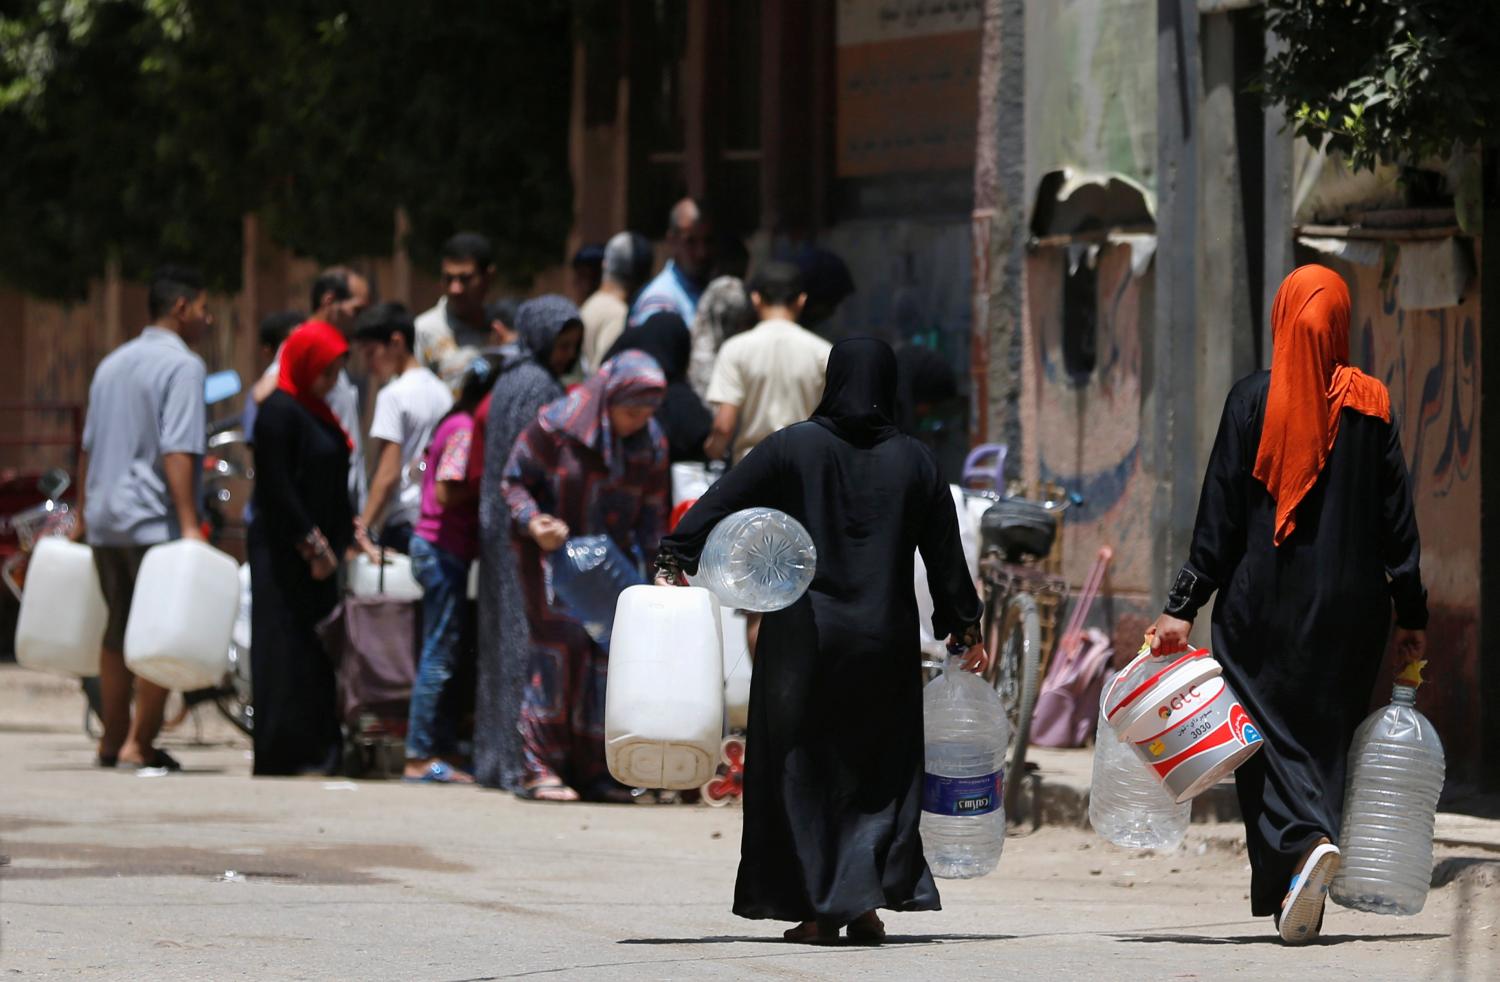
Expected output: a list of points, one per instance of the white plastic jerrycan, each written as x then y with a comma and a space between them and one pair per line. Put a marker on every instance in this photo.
186, 596
392, 578
664, 702
736, 647
63, 616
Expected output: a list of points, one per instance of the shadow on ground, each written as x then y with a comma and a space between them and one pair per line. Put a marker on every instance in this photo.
893, 939
1269, 938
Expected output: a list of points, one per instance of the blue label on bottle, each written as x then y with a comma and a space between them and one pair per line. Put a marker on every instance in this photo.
963, 795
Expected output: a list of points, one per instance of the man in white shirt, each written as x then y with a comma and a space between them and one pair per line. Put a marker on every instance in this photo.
458, 319
409, 404
772, 375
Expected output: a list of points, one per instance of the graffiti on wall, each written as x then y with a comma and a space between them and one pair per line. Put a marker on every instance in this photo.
1085, 432
1429, 359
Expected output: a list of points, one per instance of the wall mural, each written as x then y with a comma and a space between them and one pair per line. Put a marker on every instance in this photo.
1085, 434
1429, 359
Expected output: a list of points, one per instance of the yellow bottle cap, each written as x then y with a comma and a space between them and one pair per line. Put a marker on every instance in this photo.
1412, 674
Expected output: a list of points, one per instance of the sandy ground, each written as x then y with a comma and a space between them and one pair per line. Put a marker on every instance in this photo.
209, 874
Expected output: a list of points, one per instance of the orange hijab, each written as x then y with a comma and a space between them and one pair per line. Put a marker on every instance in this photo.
307, 353
1311, 383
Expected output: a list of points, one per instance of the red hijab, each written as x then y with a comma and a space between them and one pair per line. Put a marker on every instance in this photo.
307, 353
1311, 383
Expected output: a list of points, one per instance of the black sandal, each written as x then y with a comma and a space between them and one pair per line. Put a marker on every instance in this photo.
160, 759
869, 933
812, 932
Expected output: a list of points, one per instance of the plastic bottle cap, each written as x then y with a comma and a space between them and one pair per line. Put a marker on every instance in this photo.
1412, 674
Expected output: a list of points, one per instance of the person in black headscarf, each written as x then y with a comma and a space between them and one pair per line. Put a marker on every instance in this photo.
550, 333
682, 415
833, 778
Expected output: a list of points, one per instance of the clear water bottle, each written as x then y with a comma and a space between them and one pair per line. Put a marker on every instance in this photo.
758, 559
1127, 804
588, 574
963, 787
1395, 776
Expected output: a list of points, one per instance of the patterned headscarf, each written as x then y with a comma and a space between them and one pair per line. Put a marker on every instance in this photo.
540, 321
630, 379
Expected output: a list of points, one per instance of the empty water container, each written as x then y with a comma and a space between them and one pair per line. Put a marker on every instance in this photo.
588, 574
391, 578
758, 559
1128, 804
1395, 776
63, 616
664, 697
182, 615
963, 787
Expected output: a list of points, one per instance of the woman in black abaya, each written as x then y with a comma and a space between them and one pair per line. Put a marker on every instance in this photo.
1306, 530
303, 523
833, 776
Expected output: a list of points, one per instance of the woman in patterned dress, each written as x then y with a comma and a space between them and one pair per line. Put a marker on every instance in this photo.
594, 462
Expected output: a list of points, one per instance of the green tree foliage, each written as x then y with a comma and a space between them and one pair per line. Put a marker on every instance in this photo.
1393, 81
145, 129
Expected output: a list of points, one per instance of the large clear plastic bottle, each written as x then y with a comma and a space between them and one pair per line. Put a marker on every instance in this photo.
1127, 804
757, 559
963, 795
1396, 768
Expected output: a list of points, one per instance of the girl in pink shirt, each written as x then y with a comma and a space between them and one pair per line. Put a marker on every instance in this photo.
443, 545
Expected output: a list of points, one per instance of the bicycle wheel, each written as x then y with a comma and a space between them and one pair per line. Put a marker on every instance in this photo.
1019, 668
233, 695
1004, 673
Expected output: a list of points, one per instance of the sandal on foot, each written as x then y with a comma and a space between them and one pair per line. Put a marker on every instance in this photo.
159, 760
811, 932
1301, 917
870, 932
439, 772
547, 791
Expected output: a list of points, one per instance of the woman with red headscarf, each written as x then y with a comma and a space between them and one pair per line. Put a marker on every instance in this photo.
593, 463
1306, 531
303, 522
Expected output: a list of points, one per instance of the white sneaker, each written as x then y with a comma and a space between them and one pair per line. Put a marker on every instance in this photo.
1301, 916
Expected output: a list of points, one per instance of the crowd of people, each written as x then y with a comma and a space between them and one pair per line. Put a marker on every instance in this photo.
499, 431
479, 432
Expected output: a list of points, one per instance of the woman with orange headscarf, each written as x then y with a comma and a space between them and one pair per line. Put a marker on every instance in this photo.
1306, 531
303, 522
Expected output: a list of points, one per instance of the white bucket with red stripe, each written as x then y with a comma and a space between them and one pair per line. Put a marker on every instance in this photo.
1183, 719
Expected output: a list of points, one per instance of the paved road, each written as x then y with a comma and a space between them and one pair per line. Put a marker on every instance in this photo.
113, 875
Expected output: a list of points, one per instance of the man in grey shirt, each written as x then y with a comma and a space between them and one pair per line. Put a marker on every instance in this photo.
143, 441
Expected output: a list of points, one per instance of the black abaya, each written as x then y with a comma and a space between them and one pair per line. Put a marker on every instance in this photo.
1301, 629
301, 471
833, 771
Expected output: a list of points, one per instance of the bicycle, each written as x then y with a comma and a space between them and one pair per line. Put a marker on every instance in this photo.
1017, 537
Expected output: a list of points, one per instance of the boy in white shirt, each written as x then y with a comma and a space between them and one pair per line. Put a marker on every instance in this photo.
771, 376
409, 404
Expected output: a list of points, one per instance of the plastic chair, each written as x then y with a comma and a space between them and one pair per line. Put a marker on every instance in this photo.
986, 464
